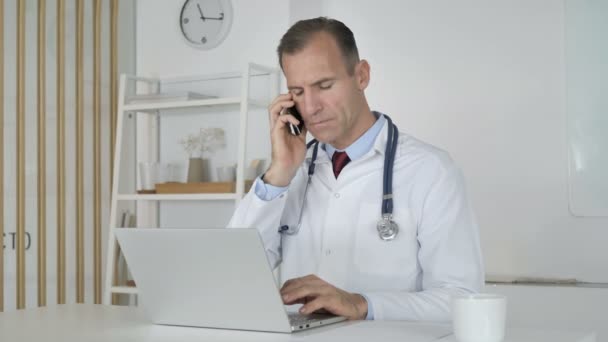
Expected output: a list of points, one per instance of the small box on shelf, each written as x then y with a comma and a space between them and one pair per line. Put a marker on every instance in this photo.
146, 192
199, 187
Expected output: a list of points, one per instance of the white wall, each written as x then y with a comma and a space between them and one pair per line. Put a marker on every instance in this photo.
161, 49
486, 81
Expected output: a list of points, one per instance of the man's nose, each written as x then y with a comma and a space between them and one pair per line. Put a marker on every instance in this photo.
310, 104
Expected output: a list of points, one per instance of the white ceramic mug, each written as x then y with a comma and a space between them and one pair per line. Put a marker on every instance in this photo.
479, 317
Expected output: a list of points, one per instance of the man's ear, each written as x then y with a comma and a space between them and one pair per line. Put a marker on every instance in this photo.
362, 74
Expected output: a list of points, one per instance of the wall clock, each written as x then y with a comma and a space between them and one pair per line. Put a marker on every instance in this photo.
205, 23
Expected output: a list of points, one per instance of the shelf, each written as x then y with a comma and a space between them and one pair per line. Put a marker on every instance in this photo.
124, 289
180, 97
177, 197
159, 105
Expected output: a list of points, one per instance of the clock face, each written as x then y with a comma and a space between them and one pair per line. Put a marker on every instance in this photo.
205, 23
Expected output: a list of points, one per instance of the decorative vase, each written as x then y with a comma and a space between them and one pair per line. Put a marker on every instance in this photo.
197, 170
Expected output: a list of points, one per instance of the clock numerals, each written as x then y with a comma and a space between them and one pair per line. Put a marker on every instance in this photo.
204, 40
186, 20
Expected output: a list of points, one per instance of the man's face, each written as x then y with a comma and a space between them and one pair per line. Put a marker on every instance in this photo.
330, 100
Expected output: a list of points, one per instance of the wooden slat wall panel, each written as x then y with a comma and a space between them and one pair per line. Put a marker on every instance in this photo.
88, 16
61, 265
79, 130
97, 151
20, 154
41, 130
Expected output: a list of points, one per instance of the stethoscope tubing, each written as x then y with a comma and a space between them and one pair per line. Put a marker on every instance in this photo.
387, 182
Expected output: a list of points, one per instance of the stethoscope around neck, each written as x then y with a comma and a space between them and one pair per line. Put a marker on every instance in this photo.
387, 228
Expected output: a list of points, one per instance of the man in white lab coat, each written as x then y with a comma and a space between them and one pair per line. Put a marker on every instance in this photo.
336, 261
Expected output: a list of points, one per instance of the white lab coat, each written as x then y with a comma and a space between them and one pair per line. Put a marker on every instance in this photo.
435, 255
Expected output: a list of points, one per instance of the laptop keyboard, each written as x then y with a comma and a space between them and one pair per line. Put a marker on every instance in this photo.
298, 318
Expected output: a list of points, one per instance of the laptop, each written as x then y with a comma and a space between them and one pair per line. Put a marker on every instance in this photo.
212, 278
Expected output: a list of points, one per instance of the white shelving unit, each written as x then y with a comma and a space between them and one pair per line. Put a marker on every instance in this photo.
148, 113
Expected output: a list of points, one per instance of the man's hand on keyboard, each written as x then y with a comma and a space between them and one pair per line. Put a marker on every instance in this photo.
318, 295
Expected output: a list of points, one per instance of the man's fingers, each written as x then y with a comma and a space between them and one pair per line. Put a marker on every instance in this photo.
310, 289
278, 99
280, 123
276, 111
294, 283
287, 283
295, 294
320, 303
276, 107
285, 118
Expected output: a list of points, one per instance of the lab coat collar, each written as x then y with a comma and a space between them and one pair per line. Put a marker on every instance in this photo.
379, 145
321, 154
324, 171
364, 143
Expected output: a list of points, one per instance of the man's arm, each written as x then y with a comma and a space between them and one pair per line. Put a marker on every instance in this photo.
262, 209
449, 256
263, 206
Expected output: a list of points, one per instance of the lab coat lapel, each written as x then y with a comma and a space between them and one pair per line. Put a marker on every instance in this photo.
368, 164
324, 170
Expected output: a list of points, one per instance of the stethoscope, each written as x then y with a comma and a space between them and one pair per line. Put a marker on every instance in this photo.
387, 228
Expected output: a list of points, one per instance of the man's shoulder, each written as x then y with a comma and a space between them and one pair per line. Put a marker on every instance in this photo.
414, 151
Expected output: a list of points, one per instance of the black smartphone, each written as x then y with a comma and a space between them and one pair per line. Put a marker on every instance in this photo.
295, 129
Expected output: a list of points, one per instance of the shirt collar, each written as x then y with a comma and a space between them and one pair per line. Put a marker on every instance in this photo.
365, 142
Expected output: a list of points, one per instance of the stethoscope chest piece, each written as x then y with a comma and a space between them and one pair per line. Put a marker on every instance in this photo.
387, 228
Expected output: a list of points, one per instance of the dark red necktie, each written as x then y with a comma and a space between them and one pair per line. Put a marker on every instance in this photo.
339, 161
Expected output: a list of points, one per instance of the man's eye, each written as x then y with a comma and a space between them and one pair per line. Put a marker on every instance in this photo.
325, 85
296, 92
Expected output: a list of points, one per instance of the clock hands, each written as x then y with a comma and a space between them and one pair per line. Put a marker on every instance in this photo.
200, 11
221, 17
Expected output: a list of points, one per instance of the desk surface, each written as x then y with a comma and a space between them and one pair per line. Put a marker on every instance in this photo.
87, 322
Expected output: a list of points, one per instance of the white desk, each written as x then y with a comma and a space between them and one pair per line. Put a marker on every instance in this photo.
87, 322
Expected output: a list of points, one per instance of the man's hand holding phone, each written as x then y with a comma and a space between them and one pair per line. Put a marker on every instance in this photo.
294, 129
288, 149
